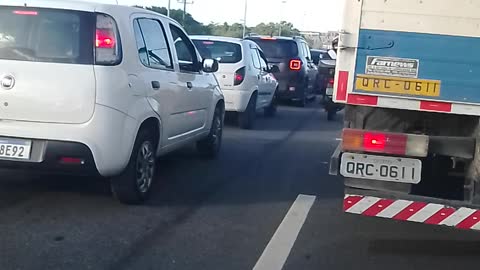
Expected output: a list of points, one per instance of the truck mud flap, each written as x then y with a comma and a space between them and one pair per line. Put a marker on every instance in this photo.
459, 217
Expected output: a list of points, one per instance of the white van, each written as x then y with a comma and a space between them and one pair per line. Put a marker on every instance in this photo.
244, 75
92, 88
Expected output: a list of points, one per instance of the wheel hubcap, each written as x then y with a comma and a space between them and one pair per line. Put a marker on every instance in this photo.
145, 166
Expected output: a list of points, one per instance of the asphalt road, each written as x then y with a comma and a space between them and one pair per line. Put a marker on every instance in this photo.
233, 213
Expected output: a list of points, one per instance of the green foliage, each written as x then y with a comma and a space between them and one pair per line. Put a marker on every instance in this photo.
194, 27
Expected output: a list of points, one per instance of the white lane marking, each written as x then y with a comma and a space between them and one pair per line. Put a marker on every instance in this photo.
457, 217
394, 209
276, 253
426, 213
338, 139
363, 205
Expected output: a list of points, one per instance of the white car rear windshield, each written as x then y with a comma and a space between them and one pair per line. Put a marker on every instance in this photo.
46, 35
224, 52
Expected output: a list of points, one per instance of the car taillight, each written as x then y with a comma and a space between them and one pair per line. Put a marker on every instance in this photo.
331, 82
239, 76
385, 143
104, 39
107, 42
295, 65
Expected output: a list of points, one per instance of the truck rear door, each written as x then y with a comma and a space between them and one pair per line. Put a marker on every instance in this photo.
408, 54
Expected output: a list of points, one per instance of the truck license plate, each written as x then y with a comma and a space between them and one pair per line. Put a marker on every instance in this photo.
402, 86
390, 169
15, 149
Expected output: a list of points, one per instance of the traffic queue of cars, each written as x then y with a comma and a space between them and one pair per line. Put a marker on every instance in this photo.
104, 90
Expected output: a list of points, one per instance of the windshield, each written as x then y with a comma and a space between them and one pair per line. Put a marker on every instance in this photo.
46, 35
278, 48
224, 52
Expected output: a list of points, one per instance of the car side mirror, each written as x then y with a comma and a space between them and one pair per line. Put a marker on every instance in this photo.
274, 69
210, 65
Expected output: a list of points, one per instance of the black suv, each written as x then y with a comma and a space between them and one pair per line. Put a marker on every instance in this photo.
298, 73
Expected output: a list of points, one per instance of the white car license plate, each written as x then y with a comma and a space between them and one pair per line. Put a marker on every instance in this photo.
15, 149
390, 169
329, 92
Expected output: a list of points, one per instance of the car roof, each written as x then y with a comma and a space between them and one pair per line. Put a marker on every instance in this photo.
216, 38
119, 10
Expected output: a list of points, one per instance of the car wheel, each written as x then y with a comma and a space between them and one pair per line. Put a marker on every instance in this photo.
302, 102
246, 119
331, 115
134, 185
271, 110
211, 145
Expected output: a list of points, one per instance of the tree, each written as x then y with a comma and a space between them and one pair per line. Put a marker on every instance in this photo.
194, 27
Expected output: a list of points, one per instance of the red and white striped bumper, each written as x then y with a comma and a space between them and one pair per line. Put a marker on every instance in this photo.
419, 212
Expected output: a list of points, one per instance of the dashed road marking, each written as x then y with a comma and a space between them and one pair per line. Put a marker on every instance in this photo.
278, 249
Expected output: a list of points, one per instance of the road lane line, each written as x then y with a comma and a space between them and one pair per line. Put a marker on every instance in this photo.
276, 253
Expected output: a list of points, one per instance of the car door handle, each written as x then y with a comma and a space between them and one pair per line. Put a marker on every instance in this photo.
189, 85
155, 85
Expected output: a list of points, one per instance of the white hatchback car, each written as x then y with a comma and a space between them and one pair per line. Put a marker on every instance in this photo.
244, 76
93, 88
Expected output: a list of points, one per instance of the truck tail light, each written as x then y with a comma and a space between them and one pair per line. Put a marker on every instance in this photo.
385, 143
107, 41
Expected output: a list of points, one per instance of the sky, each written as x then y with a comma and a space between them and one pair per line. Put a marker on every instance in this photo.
306, 15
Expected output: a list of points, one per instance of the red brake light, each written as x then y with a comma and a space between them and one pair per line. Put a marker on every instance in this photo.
25, 12
295, 65
104, 39
331, 81
374, 141
268, 38
384, 142
239, 76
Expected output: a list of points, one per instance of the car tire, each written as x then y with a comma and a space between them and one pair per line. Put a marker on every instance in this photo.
302, 103
246, 119
331, 115
271, 110
134, 185
210, 146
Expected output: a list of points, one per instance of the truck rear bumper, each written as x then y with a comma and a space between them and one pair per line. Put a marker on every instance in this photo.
418, 209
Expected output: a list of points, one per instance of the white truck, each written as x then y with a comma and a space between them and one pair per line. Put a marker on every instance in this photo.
408, 72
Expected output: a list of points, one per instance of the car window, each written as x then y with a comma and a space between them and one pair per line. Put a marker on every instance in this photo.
255, 58
315, 56
224, 52
156, 46
142, 48
276, 48
186, 52
47, 35
305, 50
263, 62
325, 56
